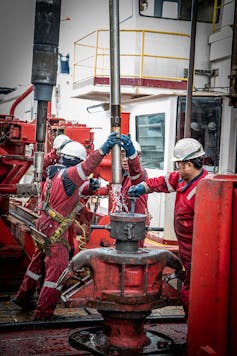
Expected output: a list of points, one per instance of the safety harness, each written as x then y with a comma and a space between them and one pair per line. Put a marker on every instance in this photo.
44, 242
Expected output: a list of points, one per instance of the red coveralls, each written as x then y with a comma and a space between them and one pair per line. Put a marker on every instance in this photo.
52, 158
54, 264
183, 218
49, 159
136, 175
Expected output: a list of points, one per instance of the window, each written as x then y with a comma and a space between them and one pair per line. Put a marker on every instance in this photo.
205, 127
178, 9
150, 131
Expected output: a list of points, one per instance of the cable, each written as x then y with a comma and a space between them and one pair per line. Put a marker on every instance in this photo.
81, 238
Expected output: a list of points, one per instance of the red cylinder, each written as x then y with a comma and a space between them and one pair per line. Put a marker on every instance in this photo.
125, 333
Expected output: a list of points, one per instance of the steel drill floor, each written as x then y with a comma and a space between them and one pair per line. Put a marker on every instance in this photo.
20, 335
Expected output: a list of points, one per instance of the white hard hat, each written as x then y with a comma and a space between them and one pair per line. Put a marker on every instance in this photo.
74, 149
59, 141
195, 126
211, 126
186, 149
137, 147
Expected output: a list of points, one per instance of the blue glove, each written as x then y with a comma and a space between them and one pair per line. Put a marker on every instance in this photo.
127, 145
136, 190
112, 140
94, 184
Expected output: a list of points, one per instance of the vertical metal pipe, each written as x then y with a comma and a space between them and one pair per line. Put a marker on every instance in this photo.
44, 69
233, 73
188, 112
115, 86
40, 132
45, 50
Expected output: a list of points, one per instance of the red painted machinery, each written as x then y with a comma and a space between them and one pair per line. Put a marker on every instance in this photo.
212, 320
18, 199
124, 284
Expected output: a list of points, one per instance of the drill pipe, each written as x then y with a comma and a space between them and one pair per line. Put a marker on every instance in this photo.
44, 69
115, 87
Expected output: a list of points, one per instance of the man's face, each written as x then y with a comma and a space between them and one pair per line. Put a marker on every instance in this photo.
124, 160
185, 169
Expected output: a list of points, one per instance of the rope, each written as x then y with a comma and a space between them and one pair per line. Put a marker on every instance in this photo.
81, 238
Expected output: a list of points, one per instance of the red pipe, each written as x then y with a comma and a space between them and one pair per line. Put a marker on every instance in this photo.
20, 99
8, 189
49, 110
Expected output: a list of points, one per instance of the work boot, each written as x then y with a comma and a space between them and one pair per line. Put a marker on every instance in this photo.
25, 306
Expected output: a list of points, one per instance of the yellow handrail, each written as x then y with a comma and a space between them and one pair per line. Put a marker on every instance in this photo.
92, 52
215, 12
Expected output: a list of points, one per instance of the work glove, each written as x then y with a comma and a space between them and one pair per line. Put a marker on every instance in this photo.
127, 145
94, 184
136, 190
112, 140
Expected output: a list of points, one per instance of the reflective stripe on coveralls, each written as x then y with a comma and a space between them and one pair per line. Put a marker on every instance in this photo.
169, 187
33, 275
191, 193
51, 285
135, 177
85, 184
81, 173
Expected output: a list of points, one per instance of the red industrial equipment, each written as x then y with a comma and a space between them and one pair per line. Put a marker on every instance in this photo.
17, 146
16, 135
212, 320
125, 283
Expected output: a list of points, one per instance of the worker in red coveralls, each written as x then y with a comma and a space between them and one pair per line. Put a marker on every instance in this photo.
90, 187
133, 173
53, 156
61, 194
188, 155
50, 158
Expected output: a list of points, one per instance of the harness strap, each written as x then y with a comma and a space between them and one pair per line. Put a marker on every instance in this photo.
47, 193
55, 215
64, 223
41, 241
44, 243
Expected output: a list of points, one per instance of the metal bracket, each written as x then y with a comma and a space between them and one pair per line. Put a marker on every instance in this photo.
206, 72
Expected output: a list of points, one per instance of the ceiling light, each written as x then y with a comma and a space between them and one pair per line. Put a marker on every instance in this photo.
98, 108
